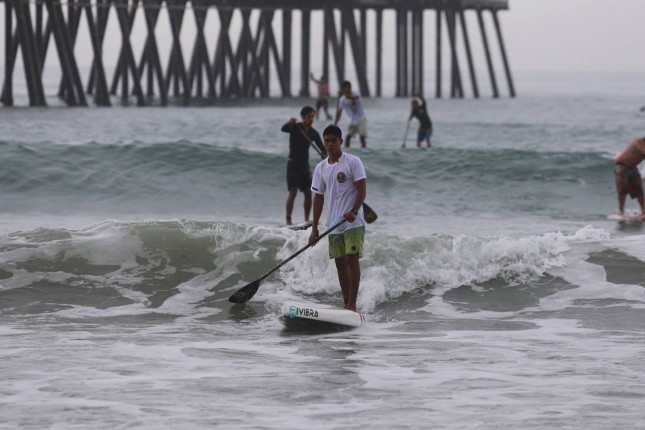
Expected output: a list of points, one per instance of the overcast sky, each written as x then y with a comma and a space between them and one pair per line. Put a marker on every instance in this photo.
595, 35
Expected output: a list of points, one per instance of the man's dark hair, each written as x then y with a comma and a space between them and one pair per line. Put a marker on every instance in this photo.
346, 84
306, 111
334, 131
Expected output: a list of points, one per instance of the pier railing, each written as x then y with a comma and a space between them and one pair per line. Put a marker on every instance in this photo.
177, 51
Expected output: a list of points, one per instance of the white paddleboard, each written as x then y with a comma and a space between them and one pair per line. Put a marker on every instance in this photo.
316, 315
627, 217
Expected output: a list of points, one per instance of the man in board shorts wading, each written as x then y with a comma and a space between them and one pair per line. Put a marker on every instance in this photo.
628, 178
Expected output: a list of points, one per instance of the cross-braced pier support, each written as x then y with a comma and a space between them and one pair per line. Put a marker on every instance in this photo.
244, 48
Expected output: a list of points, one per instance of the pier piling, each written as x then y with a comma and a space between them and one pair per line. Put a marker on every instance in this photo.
243, 49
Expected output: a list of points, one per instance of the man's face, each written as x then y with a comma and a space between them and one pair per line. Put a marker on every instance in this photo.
332, 143
309, 119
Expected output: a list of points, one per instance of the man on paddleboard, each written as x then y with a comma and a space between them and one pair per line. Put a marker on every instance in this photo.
301, 136
340, 180
628, 178
420, 112
352, 102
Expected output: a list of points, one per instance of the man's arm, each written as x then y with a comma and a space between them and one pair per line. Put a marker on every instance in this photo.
361, 187
339, 112
352, 95
319, 202
288, 126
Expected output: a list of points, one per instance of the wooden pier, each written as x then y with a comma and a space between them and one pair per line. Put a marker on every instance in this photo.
245, 48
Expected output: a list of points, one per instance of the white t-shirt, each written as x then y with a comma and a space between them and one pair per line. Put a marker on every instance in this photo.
354, 108
336, 183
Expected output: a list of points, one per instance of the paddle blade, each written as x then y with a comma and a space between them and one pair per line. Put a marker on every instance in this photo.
243, 295
369, 214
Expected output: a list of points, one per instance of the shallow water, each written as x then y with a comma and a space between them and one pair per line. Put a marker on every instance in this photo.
497, 291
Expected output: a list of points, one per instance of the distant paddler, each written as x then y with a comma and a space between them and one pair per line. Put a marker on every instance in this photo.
301, 136
352, 102
322, 102
420, 112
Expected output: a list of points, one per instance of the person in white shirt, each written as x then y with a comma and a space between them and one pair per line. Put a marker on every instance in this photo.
352, 102
340, 180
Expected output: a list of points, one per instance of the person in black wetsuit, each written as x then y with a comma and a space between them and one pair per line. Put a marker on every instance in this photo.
301, 136
420, 112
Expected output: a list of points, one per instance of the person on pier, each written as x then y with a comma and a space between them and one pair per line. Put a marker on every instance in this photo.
301, 136
352, 102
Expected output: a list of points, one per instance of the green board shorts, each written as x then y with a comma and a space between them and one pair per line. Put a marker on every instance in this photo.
348, 243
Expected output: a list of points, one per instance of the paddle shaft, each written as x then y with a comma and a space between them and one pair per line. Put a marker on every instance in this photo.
300, 251
405, 136
244, 294
302, 131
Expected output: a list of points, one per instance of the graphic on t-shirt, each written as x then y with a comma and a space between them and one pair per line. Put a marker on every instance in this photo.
341, 177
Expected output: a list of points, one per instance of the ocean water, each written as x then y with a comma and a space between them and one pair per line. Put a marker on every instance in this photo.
497, 291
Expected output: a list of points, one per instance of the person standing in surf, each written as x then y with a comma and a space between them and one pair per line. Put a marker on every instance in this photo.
301, 136
420, 112
323, 95
628, 178
352, 102
340, 180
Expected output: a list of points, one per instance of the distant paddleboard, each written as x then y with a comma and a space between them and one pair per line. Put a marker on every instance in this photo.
302, 226
625, 218
316, 316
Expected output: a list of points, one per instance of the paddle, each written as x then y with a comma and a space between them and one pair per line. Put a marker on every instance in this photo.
302, 131
405, 136
369, 214
244, 294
